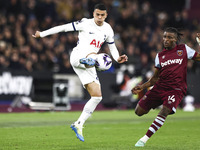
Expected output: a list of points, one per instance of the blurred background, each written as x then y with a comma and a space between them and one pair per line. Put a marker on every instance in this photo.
35, 74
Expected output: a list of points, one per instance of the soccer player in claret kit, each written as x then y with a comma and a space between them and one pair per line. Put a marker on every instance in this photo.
92, 34
169, 81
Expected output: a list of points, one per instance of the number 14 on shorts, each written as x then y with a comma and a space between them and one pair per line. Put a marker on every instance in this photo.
171, 99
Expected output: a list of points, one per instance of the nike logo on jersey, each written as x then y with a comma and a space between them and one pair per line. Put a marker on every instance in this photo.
91, 32
172, 61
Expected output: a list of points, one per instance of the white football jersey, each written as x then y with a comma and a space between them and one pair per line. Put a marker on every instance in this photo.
92, 36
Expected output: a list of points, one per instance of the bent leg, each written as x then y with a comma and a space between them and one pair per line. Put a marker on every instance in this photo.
80, 61
157, 124
150, 100
159, 121
165, 111
140, 111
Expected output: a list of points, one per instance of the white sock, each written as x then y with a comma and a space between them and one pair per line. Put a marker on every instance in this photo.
144, 138
88, 109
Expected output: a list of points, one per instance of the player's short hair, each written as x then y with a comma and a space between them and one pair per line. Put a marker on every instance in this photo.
100, 6
174, 30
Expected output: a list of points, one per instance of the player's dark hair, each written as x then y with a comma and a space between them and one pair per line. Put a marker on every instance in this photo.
176, 31
100, 6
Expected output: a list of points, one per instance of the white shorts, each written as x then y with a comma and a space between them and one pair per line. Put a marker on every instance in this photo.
86, 75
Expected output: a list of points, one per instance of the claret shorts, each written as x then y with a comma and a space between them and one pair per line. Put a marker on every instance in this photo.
158, 96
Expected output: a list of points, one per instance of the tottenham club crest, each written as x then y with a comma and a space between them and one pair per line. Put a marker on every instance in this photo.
179, 52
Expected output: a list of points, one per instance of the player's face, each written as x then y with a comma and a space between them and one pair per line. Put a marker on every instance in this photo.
169, 40
99, 16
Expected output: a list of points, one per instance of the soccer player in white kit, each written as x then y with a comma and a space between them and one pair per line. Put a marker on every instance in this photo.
92, 34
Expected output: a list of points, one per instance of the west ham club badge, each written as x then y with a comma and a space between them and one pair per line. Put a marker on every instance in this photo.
179, 52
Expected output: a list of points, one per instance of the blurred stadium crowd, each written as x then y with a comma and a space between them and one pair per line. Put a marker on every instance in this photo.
137, 25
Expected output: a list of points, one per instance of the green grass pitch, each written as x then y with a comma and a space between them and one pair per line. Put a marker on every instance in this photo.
105, 130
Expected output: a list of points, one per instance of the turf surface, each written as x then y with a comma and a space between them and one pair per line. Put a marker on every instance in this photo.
106, 130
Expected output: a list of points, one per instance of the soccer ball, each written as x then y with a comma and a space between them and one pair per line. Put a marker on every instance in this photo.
103, 62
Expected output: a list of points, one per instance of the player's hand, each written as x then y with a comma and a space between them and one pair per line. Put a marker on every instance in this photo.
198, 38
122, 59
137, 89
36, 35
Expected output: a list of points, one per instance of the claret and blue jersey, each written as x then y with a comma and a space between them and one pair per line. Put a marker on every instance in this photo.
172, 65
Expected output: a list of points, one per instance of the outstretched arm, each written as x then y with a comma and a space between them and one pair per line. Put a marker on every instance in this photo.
36, 35
147, 84
54, 30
